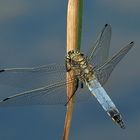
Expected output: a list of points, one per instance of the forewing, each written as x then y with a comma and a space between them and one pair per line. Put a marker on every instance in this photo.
103, 72
49, 95
32, 77
99, 52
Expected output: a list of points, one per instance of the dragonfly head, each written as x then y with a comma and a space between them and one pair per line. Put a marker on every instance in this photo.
75, 56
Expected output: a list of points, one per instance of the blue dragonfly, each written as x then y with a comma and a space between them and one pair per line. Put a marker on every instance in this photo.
48, 82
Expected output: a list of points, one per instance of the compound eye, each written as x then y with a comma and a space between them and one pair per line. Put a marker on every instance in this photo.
70, 52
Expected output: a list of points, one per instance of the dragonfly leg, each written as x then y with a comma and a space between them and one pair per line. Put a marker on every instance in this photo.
75, 89
67, 65
82, 85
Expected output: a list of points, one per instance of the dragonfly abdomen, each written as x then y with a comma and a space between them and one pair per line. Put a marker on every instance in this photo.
98, 91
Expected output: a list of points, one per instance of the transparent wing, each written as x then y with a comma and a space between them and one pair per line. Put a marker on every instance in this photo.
32, 77
99, 52
48, 95
103, 72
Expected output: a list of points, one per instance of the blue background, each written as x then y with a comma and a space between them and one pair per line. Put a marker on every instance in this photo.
34, 33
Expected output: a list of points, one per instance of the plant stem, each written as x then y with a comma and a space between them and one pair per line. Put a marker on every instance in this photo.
74, 31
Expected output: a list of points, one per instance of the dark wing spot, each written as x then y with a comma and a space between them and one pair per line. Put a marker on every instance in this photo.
6, 99
132, 42
2, 70
106, 25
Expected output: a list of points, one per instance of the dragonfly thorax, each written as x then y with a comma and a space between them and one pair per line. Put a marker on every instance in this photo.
77, 62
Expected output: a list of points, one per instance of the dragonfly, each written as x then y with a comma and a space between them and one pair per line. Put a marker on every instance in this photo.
91, 72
